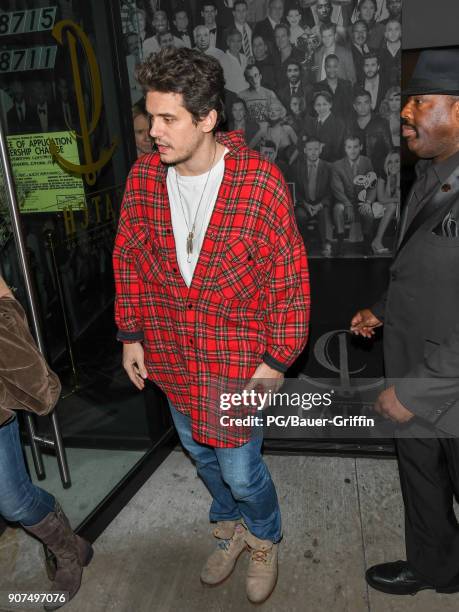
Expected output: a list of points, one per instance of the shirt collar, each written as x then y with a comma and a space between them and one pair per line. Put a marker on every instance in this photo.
440, 171
361, 48
354, 163
444, 168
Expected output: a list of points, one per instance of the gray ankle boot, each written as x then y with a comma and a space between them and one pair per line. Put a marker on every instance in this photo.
72, 553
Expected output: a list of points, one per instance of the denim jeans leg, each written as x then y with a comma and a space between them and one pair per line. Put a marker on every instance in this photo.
20, 500
244, 470
224, 506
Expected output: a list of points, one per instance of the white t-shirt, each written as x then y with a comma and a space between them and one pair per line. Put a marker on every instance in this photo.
191, 188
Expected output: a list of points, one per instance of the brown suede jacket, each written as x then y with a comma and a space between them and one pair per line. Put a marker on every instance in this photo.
26, 381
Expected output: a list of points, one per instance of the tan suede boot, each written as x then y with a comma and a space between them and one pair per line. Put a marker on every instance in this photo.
262, 570
72, 553
220, 564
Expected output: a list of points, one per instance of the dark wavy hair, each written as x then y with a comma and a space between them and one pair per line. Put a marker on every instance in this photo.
195, 75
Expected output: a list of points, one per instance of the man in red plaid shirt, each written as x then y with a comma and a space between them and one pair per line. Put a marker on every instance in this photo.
212, 288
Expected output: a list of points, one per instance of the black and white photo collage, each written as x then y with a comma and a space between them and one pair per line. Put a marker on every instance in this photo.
315, 87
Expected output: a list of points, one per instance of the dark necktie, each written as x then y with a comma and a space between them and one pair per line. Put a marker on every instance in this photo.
426, 211
245, 41
424, 185
312, 182
419, 188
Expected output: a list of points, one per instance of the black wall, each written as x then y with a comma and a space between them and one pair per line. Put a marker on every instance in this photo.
430, 23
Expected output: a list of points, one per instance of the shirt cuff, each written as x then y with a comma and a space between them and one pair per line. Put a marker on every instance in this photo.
274, 363
378, 310
128, 336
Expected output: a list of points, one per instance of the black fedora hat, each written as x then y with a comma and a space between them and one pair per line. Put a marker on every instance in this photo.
436, 72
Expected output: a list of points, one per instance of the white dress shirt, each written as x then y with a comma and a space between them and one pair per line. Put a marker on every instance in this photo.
234, 72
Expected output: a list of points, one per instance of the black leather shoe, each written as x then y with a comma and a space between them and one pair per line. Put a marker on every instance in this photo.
397, 578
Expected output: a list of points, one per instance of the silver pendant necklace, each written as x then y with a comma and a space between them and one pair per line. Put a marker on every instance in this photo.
191, 232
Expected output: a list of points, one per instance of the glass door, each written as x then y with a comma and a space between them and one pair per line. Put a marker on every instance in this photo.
71, 143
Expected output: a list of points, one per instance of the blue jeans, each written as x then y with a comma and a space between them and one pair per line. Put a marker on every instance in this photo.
20, 500
238, 480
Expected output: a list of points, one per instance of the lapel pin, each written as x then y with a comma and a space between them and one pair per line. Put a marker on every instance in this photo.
446, 187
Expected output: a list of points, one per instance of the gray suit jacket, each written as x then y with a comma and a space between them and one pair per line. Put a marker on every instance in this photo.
420, 311
342, 180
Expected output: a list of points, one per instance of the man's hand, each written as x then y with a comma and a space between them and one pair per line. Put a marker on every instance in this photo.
364, 323
365, 209
348, 213
313, 209
134, 365
389, 407
265, 379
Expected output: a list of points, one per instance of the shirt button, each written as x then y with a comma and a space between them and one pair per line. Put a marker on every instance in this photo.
190, 306
168, 231
174, 270
190, 341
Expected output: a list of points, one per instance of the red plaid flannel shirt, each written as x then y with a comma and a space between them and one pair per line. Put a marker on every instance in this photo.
249, 298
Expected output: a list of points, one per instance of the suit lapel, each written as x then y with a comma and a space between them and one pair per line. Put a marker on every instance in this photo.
436, 201
306, 179
320, 173
320, 187
404, 218
410, 203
